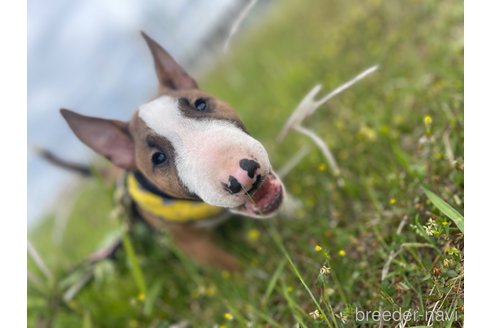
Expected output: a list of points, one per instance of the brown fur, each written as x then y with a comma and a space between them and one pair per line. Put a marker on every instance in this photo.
165, 178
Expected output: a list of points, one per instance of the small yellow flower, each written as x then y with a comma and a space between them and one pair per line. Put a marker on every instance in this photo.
367, 133
392, 201
228, 316
211, 291
445, 223
318, 248
427, 120
226, 274
384, 130
322, 167
253, 235
290, 289
453, 251
222, 326
141, 297
342, 252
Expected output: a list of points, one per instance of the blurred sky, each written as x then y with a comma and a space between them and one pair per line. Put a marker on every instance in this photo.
88, 56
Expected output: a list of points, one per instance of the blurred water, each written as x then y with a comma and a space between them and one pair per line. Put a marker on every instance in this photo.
88, 56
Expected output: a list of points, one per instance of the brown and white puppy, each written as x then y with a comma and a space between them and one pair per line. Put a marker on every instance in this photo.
190, 145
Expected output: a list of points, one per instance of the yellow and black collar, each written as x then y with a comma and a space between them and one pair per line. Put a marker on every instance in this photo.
165, 207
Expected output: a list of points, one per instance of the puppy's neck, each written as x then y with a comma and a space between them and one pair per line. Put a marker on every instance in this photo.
150, 187
162, 206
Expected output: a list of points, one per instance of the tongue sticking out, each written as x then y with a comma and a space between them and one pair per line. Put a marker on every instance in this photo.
266, 199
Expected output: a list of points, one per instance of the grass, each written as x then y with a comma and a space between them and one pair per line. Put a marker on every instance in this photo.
382, 244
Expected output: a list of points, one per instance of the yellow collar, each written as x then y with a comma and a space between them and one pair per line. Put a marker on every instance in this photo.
169, 209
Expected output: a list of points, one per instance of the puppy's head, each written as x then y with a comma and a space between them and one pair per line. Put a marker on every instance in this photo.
188, 144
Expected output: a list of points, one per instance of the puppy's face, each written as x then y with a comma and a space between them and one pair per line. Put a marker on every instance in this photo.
192, 145
189, 145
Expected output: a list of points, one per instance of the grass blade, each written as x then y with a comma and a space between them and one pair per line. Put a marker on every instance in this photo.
273, 282
31, 250
446, 209
135, 268
87, 322
296, 311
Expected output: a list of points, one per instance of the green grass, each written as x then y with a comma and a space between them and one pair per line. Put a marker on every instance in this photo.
375, 218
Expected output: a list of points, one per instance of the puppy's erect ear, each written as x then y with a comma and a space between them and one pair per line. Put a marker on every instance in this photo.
107, 137
170, 74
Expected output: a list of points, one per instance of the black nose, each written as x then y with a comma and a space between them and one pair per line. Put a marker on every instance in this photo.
249, 166
234, 186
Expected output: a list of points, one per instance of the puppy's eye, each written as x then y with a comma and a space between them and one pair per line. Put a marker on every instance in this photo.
200, 104
158, 158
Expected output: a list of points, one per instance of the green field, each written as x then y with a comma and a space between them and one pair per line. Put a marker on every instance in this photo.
397, 131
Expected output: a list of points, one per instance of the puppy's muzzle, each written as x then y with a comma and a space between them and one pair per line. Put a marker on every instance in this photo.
245, 179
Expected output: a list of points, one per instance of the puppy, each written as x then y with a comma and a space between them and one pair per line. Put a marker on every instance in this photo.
187, 158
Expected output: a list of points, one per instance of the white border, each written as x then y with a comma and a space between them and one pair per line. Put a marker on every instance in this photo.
478, 194
13, 148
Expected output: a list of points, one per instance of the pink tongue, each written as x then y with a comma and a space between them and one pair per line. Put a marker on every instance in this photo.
263, 191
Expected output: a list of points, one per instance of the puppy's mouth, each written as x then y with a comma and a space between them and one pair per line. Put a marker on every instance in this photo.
265, 199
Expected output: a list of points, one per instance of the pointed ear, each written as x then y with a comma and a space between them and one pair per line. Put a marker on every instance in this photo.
170, 74
107, 137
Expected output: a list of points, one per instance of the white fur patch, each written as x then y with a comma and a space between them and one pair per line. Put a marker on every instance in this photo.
207, 150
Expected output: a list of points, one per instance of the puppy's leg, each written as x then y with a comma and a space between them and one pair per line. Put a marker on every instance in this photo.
199, 245
196, 243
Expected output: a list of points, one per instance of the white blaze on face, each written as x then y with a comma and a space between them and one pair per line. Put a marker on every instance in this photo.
207, 151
